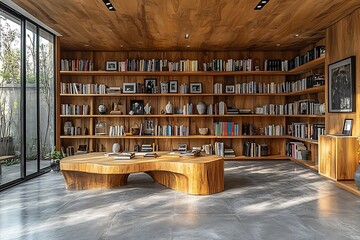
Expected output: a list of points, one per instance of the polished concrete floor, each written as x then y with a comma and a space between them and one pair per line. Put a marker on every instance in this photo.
262, 200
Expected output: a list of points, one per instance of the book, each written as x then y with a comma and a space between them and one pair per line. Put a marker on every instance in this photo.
150, 154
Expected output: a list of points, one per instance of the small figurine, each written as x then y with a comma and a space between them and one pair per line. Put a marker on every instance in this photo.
169, 108
147, 109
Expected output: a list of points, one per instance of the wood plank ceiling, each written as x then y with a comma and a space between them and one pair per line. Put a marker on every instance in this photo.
212, 24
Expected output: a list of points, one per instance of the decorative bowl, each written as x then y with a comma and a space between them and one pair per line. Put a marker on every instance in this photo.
203, 131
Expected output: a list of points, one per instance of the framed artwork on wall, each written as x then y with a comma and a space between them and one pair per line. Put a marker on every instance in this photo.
342, 86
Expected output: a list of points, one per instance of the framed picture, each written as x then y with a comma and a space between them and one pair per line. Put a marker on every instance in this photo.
150, 85
164, 87
173, 86
195, 88
342, 86
230, 89
347, 128
129, 87
149, 127
137, 106
111, 66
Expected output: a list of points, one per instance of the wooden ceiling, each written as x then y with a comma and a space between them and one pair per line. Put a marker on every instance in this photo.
212, 24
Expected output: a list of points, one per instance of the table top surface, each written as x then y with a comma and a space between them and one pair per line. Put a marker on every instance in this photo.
101, 158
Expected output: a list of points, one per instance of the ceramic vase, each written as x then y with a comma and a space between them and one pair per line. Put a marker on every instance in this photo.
201, 108
168, 108
116, 148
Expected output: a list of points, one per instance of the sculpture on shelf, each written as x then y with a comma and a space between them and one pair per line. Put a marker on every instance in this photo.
147, 109
102, 109
201, 108
168, 108
116, 148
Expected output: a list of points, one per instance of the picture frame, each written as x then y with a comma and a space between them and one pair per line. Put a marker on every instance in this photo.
230, 89
341, 87
150, 85
347, 127
149, 127
137, 107
164, 87
129, 87
195, 87
111, 66
173, 86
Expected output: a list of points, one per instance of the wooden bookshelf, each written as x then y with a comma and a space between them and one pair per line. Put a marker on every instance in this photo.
276, 144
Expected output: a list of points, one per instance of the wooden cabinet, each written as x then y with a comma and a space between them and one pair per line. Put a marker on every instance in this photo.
338, 157
276, 142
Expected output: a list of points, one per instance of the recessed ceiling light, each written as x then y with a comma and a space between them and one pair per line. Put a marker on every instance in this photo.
187, 36
261, 4
296, 35
86, 45
278, 44
187, 46
109, 5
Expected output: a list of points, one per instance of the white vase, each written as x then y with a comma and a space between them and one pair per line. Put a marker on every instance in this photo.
168, 108
201, 107
116, 148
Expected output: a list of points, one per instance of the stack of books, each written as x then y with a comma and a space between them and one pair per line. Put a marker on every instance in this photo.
229, 152
146, 148
124, 156
113, 90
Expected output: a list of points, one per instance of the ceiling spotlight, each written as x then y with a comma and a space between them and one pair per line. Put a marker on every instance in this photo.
296, 35
261, 4
187, 46
187, 36
109, 5
86, 45
278, 44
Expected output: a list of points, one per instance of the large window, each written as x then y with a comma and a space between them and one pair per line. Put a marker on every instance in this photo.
27, 93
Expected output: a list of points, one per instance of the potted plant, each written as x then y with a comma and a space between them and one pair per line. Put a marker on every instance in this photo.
55, 158
357, 172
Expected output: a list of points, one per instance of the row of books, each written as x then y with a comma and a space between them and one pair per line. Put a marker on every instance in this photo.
229, 65
305, 106
294, 149
117, 130
312, 54
192, 65
168, 130
307, 82
82, 88
304, 130
157, 65
226, 129
76, 65
72, 109
276, 65
251, 149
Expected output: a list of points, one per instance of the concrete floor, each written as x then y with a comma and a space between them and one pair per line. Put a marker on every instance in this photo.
262, 200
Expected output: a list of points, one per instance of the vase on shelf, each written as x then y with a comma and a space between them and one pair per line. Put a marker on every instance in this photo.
168, 108
201, 108
357, 177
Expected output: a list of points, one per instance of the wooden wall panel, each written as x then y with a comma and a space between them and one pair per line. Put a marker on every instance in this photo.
342, 41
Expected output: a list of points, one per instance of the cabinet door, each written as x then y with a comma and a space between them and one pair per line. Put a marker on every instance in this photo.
346, 160
327, 157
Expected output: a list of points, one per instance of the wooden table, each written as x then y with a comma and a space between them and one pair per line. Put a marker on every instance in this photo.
194, 175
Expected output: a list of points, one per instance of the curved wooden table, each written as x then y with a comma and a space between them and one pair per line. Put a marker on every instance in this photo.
194, 175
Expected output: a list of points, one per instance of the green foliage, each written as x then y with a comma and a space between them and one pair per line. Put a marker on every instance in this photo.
9, 53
